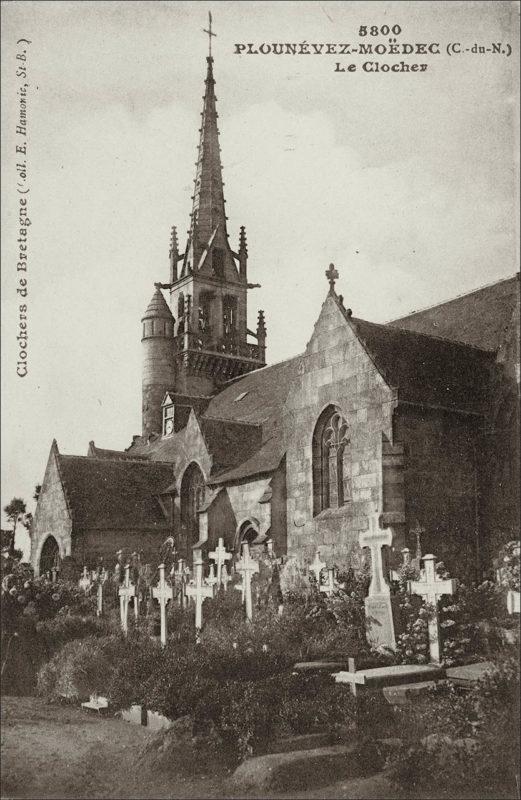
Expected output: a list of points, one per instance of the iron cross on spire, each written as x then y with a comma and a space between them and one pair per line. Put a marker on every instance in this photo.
210, 33
332, 276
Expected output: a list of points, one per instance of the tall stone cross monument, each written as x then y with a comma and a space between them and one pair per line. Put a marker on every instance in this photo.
378, 606
430, 587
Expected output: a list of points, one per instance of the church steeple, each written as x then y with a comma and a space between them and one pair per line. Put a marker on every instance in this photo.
207, 247
208, 280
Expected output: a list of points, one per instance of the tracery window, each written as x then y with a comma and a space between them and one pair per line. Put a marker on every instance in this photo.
192, 498
331, 461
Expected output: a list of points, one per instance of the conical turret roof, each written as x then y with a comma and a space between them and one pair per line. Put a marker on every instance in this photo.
158, 307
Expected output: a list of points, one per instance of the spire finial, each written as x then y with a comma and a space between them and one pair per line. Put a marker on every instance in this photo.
332, 276
210, 33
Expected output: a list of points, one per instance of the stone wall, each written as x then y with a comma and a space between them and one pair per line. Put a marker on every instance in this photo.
335, 371
441, 474
500, 468
90, 545
51, 517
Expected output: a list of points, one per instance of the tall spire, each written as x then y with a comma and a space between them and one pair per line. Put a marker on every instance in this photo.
208, 218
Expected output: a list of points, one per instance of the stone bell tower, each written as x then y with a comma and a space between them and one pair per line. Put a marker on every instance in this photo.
203, 340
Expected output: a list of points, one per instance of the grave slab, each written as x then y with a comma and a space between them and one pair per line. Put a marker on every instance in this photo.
404, 694
99, 704
306, 741
469, 674
321, 666
393, 675
296, 770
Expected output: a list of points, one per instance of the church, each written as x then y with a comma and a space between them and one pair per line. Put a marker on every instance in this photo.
416, 420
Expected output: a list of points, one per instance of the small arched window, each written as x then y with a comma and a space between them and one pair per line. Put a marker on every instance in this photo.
331, 461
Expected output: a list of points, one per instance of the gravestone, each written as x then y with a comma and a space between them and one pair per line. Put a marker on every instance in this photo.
247, 567
198, 590
163, 593
220, 556
316, 567
85, 581
126, 592
431, 587
378, 604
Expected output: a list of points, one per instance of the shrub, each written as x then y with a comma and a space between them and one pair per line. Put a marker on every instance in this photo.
463, 742
315, 702
80, 668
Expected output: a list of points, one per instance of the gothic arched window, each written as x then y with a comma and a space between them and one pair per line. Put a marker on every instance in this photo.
192, 498
331, 461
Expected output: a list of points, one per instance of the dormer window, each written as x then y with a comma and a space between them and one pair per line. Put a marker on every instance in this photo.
168, 420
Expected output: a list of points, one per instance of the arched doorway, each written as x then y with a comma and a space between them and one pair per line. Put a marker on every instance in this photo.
49, 556
248, 532
192, 498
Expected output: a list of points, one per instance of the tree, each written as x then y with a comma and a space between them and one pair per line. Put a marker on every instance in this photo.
13, 509
37, 490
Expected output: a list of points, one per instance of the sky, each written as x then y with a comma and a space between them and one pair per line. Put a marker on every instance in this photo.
406, 182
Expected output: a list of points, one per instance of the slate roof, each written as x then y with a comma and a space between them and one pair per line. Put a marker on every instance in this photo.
102, 452
229, 442
428, 370
479, 318
262, 396
116, 493
242, 424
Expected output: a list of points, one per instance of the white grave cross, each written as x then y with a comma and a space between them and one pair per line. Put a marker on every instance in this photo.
163, 592
199, 591
247, 567
430, 587
316, 567
220, 556
85, 581
126, 592
375, 538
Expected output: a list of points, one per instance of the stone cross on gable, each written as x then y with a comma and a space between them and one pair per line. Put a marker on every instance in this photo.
126, 592
220, 556
247, 567
430, 587
85, 581
332, 276
376, 538
316, 567
163, 593
198, 590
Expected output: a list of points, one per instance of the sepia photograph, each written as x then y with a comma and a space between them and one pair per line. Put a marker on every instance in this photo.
260, 328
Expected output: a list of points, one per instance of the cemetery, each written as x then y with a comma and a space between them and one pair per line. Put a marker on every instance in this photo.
273, 676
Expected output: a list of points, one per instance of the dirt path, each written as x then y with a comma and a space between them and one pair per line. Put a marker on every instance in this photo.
63, 752
52, 751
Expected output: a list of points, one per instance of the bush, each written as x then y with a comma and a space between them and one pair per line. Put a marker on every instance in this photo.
315, 703
80, 668
463, 742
